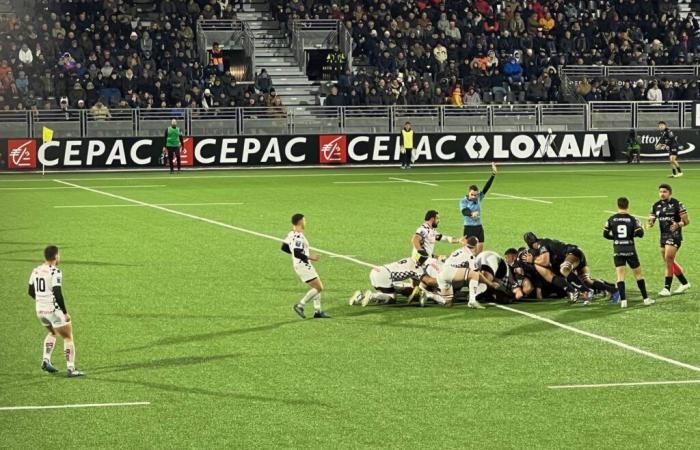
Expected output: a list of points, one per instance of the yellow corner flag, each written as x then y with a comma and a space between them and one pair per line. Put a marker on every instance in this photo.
47, 134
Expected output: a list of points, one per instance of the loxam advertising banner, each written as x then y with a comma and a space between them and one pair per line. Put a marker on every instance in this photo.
333, 149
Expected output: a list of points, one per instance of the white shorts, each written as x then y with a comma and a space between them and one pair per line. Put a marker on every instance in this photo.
433, 267
51, 317
305, 271
380, 278
446, 276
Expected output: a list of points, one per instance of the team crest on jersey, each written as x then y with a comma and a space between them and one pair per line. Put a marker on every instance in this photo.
21, 154
332, 149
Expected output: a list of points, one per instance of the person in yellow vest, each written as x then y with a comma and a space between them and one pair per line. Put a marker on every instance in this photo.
406, 146
173, 143
217, 57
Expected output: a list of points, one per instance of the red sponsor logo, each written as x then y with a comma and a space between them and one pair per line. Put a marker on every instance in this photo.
21, 154
186, 151
333, 149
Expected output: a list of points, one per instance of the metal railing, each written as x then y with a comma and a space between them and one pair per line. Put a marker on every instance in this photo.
348, 119
630, 71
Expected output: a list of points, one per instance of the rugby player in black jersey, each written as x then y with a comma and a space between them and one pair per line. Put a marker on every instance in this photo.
560, 264
622, 228
672, 217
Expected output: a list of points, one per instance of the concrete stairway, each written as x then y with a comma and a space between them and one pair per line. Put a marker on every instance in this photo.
273, 53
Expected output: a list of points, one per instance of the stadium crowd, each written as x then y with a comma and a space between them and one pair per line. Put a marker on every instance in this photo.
99, 55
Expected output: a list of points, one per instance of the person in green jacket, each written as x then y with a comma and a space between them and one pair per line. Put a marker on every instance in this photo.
633, 144
173, 143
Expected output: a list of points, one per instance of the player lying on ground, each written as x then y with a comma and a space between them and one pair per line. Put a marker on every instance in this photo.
672, 217
622, 228
45, 288
524, 273
496, 272
387, 280
457, 270
296, 245
560, 264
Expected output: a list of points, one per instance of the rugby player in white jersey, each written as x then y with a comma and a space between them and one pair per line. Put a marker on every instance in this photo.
296, 245
45, 288
424, 240
387, 280
459, 268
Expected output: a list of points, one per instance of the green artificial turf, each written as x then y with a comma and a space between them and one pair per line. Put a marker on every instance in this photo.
196, 318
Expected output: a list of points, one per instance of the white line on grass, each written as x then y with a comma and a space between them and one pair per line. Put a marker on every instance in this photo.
528, 199
536, 198
71, 187
363, 263
136, 206
204, 219
606, 385
633, 215
557, 170
412, 181
601, 338
83, 405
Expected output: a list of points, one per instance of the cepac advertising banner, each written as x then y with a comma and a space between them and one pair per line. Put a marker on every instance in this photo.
336, 149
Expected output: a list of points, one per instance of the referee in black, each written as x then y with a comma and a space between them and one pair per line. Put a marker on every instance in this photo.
173, 143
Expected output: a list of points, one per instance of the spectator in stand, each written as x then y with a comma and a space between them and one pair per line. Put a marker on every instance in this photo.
334, 99
100, 111
472, 98
457, 97
263, 82
654, 94
626, 92
217, 57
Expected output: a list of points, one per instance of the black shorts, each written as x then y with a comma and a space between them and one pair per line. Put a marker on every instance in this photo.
627, 259
578, 253
670, 239
673, 152
474, 230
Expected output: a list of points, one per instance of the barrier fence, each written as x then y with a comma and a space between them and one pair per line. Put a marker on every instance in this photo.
349, 119
306, 149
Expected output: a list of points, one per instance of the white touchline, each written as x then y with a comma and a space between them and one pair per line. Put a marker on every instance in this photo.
601, 338
136, 206
412, 181
638, 383
518, 198
363, 263
633, 215
71, 187
529, 199
204, 219
83, 405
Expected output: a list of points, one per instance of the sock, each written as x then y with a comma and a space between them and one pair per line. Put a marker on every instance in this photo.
49, 343
435, 297
309, 295
674, 170
603, 286
667, 282
69, 350
682, 278
678, 168
642, 287
621, 288
473, 288
317, 302
381, 297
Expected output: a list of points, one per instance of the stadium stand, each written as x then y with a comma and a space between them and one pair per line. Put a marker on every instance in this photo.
146, 54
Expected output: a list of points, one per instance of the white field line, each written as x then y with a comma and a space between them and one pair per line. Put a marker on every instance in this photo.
558, 170
204, 219
600, 338
528, 199
136, 206
71, 187
633, 215
80, 405
412, 181
607, 385
536, 198
363, 263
